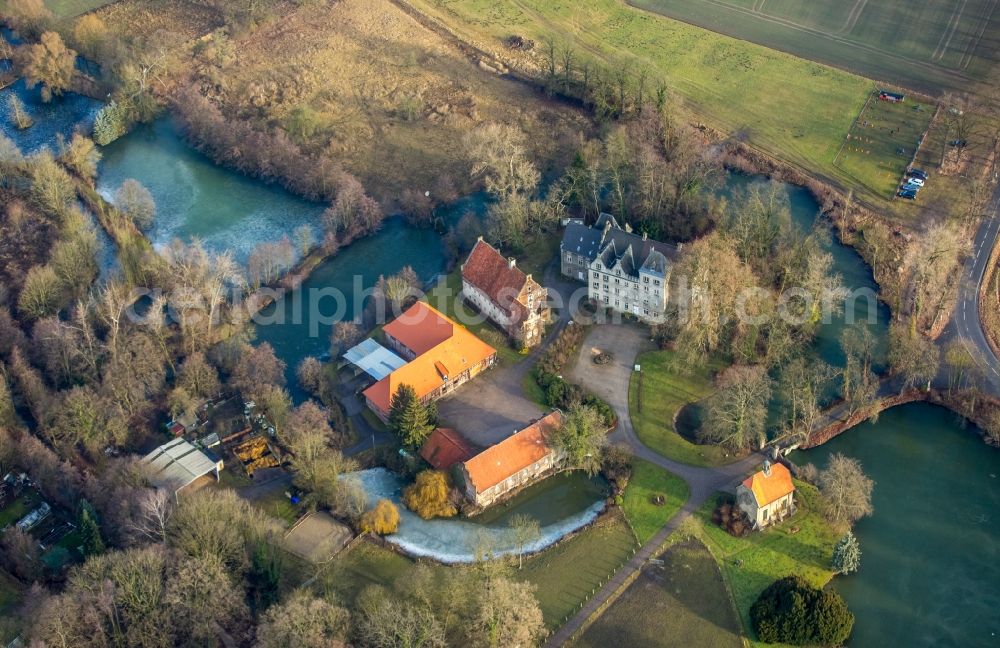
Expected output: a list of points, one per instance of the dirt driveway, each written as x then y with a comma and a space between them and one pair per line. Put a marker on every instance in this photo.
624, 342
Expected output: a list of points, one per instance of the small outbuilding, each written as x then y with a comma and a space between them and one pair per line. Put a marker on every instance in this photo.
444, 448
177, 464
767, 496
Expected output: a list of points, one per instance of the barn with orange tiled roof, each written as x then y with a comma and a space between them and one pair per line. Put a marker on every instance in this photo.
442, 356
517, 461
444, 448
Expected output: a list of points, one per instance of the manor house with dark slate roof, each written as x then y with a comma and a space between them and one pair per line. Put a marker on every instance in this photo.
623, 270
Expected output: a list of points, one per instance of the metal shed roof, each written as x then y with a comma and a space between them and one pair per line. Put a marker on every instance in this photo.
374, 359
176, 464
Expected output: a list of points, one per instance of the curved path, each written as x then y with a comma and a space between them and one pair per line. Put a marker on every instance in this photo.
611, 383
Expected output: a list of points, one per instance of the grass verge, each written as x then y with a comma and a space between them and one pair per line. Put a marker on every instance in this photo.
647, 482
682, 602
664, 391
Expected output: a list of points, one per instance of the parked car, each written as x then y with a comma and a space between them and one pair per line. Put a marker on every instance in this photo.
916, 173
910, 187
909, 194
914, 180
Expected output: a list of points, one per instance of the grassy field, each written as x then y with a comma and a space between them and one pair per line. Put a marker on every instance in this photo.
882, 142
564, 575
647, 481
682, 603
364, 84
801, 545
796, 109
68, 8
929, 46
665, 390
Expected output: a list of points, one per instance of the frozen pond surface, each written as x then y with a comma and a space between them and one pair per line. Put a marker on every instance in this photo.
196, 198
563, 504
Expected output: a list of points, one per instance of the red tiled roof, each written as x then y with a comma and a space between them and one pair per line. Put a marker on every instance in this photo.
490, 272
420, 328
444, 448
513, 454
770, 488
448, 356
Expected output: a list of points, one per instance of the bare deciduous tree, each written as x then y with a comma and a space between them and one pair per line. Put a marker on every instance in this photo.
846, 490
152, 517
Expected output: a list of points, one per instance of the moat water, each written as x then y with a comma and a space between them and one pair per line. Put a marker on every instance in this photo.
930, 561
562, 504
929, 574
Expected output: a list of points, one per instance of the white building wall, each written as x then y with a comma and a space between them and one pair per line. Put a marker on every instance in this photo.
644, 297
485, 304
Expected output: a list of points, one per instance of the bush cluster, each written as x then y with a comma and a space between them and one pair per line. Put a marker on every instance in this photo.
791, 611
731, 518
270, 156
559, 392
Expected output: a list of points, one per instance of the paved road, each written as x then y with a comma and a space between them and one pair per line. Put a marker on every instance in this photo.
965, 323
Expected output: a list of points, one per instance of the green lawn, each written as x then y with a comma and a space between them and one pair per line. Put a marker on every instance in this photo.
882, 142
564, 575
664, 391
911, 42
278, 506
801, 545
17, 509
682, 603
795, 109
647, 481
538, 253
532, 390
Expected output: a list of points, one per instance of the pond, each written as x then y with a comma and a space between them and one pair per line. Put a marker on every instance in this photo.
931, 552
562, 504
197, 198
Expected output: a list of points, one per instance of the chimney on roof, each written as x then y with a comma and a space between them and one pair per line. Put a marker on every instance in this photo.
767, 468
628, 228
644, 236
511, 262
